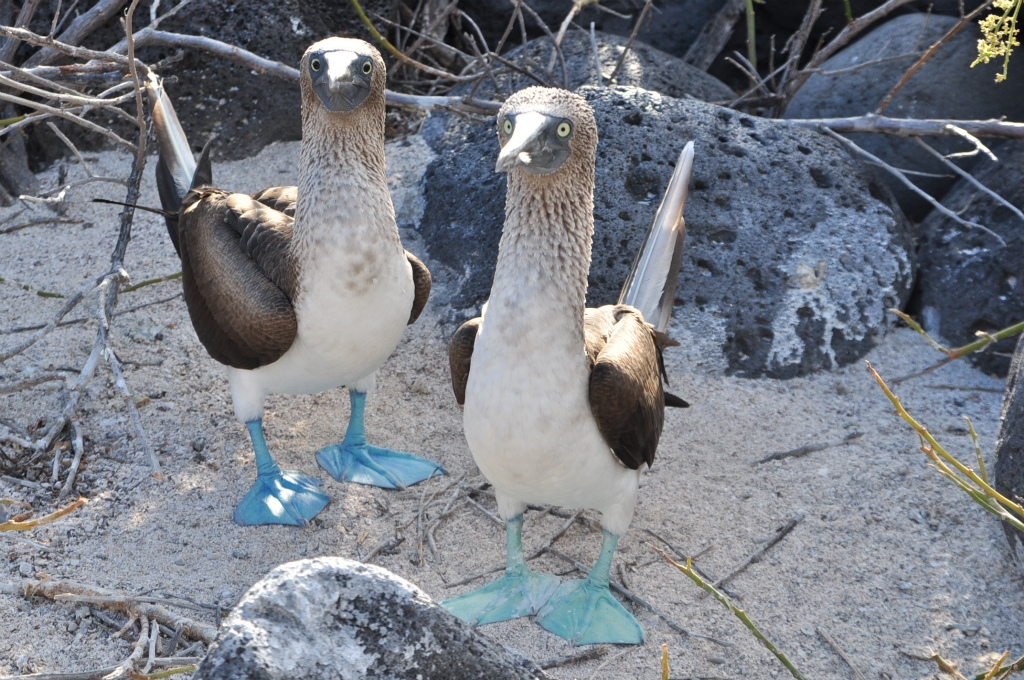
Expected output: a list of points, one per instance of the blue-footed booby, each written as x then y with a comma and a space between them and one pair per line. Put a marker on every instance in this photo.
301, 289
563, 404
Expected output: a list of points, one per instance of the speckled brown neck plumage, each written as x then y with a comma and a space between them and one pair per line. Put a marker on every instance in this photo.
343, 197
544, 254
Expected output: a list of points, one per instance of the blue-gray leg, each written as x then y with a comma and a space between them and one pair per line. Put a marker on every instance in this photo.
584, 611
520, 592
353, 460
278, 496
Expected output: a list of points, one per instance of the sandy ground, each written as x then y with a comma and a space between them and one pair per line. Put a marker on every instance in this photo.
890, 559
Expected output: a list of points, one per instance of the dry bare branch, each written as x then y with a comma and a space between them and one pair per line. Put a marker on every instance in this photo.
914, 127
913, 187
713, 38
930, 52
790, 85
80, 29
51, 589
632, 37
970, 178
25, 14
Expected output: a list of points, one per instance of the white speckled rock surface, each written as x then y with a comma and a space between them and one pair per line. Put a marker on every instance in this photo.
333, 618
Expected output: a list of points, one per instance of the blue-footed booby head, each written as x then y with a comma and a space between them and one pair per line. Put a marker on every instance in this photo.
343, 72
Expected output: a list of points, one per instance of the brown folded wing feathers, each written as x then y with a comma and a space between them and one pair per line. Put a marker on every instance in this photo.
238, 276
626, 396
460, 355
421, 281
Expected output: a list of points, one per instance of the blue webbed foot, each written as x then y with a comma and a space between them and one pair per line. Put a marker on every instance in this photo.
278, 496
284, 497
586, 613
353, 460
518, 593
374, 466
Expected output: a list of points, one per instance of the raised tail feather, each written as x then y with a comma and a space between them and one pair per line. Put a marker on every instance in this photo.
176, 170
651, 284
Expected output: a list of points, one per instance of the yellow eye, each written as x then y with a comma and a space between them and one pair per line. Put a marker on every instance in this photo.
564, 129
367, 67
507, 126
314, 64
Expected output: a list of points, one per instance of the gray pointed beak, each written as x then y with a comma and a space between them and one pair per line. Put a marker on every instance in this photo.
342, 86
534, 146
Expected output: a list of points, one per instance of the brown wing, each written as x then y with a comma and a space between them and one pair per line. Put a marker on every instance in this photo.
281, 199
460, 354
626, 396
266, 238
421, 280
242, 317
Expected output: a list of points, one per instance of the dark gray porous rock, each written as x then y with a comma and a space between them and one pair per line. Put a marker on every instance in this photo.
213, 96
793, 249
968, 282
331, 618
644, 66
945, 87
1009, 470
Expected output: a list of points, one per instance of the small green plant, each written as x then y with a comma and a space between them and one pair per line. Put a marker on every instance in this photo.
974, 483
736, 611
999, 35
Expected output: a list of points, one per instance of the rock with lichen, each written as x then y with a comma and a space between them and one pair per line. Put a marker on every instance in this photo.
1009, 468
794, 250
332, 618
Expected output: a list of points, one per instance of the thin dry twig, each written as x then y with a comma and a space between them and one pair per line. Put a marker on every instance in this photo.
79, 449
140, 646
913, 187
577, 657
930, 52
83, 319
52, 588
970, 178
857, 675
811, 448
780, 534
386, 547
791, 85
632, 37
17, 524
713, 38
914, 127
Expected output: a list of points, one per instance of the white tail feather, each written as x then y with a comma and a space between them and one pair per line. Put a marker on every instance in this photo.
174, 147
651, 284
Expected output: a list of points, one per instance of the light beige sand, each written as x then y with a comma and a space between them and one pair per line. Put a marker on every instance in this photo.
889, 559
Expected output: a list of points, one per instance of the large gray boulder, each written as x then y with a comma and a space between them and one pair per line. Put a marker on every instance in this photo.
968, 282
644, 66
331, 618
945, 87
1009, 468
793, 251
